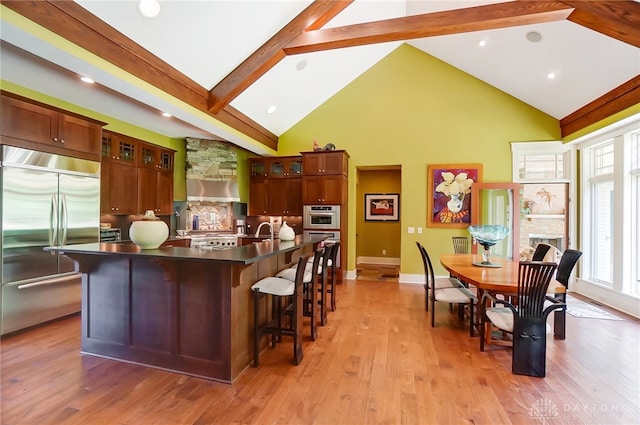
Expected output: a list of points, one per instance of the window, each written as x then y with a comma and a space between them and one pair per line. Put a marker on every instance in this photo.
602, 184
535, 162
541, 167
602, 241
634, 177
610, 231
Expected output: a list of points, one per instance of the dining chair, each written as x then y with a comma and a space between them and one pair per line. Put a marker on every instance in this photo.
282, 292
540, 251
440, 282
460, 244
526, 319
567, 263
446, 289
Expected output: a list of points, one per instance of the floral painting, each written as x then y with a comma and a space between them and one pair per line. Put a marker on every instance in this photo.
449, 194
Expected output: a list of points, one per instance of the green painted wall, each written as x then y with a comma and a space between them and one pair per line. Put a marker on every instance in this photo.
411, 109
375, 236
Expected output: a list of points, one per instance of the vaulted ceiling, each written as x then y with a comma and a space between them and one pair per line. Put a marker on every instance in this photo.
217, 66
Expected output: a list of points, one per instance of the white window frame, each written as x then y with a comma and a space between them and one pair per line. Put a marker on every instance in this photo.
570, 174
619, 294
523, 149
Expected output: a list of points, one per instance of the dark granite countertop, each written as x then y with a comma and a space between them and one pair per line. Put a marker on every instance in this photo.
242, 255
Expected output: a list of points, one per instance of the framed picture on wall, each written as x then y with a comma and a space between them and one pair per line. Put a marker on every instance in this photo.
381, 206
449, 194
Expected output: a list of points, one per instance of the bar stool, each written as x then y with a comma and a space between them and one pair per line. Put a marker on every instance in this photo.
281, 290
313, 273
330, 267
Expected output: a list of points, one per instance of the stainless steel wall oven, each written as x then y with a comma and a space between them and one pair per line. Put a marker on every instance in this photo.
321, 217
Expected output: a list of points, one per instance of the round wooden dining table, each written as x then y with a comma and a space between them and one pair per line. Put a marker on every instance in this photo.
500, 280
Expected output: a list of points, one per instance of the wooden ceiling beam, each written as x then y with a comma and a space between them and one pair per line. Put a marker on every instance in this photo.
618, 19
622, 97
269, 54
493, 16
74, 23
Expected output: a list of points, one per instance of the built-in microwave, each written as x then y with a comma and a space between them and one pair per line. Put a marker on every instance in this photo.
321, 217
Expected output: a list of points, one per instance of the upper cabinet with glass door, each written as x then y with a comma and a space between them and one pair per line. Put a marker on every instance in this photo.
285, 166
152, 156
119, 148
276, 167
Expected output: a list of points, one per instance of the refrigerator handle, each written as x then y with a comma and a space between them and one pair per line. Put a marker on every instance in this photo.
65, 219
53, 222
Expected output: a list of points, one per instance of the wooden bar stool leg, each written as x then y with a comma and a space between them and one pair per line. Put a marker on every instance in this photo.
296, 325
256, 327
323, 298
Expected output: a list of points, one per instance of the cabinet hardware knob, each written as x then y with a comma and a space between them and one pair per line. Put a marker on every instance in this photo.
62, 141
55, 139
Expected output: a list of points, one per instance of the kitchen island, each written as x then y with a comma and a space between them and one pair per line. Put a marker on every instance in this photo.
186, 310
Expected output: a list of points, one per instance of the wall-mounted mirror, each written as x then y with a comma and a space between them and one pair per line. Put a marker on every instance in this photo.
498, 203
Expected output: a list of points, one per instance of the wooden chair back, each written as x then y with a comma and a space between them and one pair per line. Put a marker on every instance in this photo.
540, 252
460, 244
533, 282
567, 262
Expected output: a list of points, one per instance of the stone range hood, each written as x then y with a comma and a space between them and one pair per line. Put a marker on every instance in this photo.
211, 171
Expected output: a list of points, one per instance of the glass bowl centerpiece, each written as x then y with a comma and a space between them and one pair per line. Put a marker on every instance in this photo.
488, 235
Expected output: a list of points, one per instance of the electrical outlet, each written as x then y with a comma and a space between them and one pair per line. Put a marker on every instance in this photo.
419, 229
384, 252
411, 230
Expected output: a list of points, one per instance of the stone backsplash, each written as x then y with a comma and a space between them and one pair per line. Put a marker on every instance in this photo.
210, 160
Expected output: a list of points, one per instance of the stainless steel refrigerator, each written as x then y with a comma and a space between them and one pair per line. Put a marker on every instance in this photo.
47, 200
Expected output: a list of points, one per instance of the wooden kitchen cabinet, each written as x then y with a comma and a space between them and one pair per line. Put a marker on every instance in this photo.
275, 187
33, 125
155, 191
275, 196
325, 163
119, 148
258, 167
257, 196
324, 190
285, 167
284, 196
276, 167
156, 157
118, 184
136, 176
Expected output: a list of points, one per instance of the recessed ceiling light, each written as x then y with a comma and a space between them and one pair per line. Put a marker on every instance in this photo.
87, 80
534, 36
149, 8
301, 65
271, 109
551, 75
166, 114
482, 43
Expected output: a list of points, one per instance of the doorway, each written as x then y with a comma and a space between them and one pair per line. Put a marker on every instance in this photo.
377, 242
544, 215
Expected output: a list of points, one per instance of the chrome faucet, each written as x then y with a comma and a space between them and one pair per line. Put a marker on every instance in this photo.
260, 227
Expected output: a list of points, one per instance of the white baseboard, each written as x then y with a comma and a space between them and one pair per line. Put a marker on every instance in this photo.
416, 279
378, 260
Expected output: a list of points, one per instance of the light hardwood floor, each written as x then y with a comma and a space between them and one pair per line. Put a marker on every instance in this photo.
378, 361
